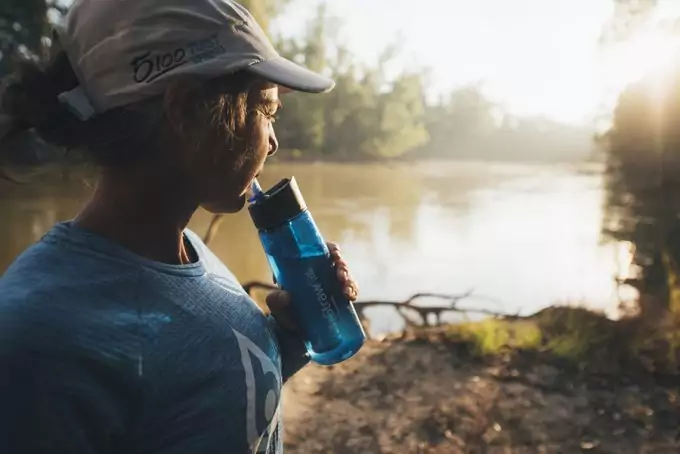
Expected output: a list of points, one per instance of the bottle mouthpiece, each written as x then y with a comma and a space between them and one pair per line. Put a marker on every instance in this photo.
255, 191
277, 205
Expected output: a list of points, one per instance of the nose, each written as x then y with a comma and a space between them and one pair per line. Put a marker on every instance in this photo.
273, 141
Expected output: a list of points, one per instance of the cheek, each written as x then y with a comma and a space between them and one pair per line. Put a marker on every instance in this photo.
232, 167
254, 150
261, 139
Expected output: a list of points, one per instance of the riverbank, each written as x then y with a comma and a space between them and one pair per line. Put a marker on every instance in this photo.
564, 381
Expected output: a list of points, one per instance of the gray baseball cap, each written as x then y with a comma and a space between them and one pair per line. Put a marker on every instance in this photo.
124, 51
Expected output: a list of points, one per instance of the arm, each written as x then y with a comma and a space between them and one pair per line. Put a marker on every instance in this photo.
53, 402
293, 352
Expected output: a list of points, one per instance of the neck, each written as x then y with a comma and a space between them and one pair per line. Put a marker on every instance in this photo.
145, 218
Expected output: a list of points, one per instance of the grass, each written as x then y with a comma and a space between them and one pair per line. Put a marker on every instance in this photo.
587, 339
490, 337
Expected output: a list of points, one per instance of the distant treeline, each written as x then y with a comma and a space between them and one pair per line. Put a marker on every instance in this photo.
367, 115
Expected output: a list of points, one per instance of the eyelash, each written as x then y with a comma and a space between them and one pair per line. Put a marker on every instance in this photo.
270, 116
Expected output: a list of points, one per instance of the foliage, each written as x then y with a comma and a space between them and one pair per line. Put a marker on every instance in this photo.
587, 340
372, 114
642, 150
265, 10
628, 17
24, 27
643, 178
492, 336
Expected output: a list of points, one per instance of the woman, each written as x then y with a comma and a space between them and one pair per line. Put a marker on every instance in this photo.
120, 332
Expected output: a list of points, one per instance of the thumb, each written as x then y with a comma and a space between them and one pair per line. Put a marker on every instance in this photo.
278, 300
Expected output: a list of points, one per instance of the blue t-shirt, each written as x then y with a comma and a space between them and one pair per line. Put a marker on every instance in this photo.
104, 351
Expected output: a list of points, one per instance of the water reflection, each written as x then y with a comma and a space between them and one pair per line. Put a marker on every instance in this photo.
28, 211
527, 236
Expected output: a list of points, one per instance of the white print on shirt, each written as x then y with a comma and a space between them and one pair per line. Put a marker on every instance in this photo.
269, 408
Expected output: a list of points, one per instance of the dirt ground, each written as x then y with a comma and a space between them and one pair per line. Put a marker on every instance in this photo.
416, 395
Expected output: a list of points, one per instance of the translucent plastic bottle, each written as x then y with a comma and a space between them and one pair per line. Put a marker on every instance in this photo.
301, 264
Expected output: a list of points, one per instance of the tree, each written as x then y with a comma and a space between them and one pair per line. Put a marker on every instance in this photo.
302, 123
264, 11
25, 29
628, 17
643, 177
22, 27
460, 122
401, 112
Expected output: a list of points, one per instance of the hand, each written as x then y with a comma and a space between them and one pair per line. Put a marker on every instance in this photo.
278, 301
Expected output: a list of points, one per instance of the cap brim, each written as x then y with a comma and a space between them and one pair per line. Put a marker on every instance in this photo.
291, 75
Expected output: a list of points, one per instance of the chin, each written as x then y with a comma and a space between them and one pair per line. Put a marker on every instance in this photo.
225, 206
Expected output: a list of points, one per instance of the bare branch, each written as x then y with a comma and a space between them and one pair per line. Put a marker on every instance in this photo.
404, 307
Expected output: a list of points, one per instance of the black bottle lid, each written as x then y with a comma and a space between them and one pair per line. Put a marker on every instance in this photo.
278, 205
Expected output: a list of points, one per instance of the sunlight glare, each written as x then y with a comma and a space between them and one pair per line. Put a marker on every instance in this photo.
649, 53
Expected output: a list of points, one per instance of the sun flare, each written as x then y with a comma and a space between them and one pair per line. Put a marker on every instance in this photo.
649, 53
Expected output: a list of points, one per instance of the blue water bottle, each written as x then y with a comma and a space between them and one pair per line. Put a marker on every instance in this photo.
301, 264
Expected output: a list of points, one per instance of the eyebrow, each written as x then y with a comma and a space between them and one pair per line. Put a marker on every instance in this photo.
268, 99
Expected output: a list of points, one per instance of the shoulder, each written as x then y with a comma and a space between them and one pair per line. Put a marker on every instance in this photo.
62, 262
51, 279
58, 302
55, 321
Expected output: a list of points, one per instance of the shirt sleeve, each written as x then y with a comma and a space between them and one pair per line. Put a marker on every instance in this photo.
53, 401
293, 352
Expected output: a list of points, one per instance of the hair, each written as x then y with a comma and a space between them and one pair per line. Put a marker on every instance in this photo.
122, 136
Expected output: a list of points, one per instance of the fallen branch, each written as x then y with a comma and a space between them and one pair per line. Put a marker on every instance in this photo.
401, 307
406, 306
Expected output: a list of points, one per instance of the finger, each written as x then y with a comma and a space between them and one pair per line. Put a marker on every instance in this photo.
339, 261
278, 300
285, 320
343, 273
333, 248
350, 287
352, 291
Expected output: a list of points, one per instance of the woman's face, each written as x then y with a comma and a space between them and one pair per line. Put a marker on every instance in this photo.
222, 175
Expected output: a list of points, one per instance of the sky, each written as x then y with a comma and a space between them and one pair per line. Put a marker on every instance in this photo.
533, 57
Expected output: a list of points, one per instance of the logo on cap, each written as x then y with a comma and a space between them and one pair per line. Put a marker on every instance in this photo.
150, 65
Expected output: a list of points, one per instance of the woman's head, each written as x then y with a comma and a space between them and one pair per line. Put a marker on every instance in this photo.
184, 100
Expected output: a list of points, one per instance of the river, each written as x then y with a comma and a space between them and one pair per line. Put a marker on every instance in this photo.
520, 236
